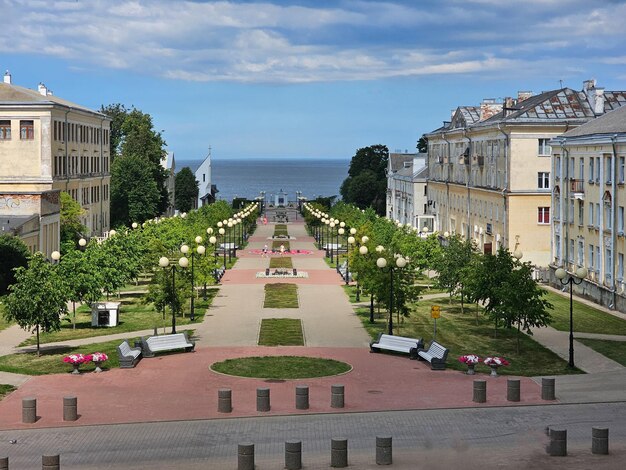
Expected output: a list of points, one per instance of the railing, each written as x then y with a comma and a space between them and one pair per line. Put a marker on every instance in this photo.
577, 186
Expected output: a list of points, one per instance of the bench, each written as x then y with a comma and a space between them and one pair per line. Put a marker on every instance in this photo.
397, 344
170, 342
218, 273
436, 354
129, 357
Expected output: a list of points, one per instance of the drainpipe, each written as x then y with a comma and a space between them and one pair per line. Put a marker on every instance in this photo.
565, 210
66, 134
507, 168
101, 175
467, 185
614, 224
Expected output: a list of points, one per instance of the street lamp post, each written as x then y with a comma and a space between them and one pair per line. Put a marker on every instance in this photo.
222, 232
579, 276
350, 241
341, 231
399, 264
164, 263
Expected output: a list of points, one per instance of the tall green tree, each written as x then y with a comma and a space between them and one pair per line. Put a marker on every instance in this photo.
71, 212
186, 189
422, 145
454, 266
366, 184
38, 298
118, 113
13, 254
134, 193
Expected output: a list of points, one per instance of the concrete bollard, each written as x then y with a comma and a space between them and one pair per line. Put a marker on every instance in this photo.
29, 410
302, 397
339, 452
224, 400
513, 390
383, 450
4, 463
480, 391
599, 441
50, 462
262, 399
547, 389
293, 455
70, 408
558, 442
337, 399
245, 456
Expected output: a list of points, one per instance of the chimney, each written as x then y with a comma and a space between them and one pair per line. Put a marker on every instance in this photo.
508, 105
488, 108
42, 89
598, 105
7, 77
595, 96
523, 95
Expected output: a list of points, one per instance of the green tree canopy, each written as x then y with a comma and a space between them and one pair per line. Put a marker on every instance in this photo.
186, 190
71, 212
38, 298
13, 254
134, 193
366, 184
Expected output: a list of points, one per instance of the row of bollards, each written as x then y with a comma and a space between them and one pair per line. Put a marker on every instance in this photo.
557, 447
29, 410
513, 391
225, 395
48, 462
338, 453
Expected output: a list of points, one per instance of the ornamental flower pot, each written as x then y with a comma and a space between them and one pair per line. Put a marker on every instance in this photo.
495, 362
470, 369
494, 370
470, 360
75, 366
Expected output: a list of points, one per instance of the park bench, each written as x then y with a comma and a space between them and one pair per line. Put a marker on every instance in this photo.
129, 357
154, 344
344, 273
397, 344
218, 273
436, 354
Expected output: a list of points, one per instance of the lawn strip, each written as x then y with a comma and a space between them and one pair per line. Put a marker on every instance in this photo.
281, 332
281, 367
284, 262
281, 295
615, 350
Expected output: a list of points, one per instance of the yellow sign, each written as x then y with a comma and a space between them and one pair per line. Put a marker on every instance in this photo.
435, 311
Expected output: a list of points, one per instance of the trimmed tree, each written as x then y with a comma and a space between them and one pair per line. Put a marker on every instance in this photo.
71, 212
186, 190
38, 298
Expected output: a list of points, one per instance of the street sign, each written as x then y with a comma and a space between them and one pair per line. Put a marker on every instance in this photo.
435, 311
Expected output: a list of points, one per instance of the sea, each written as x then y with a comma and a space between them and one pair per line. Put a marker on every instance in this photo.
247, 177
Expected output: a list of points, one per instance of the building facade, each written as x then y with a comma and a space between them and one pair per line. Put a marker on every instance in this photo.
206, 190
589, 168
169, 165
406, 190
490, 167
49, 145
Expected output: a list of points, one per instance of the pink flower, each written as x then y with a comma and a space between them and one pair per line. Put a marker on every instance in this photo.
496, 361
75, 359
98, 357
470, 359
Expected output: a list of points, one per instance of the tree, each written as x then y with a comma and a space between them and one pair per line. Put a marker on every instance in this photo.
422, 145
117, 112
366, 184
71, 212
134, 193
38, 298
454, 266
186, 190
13, 254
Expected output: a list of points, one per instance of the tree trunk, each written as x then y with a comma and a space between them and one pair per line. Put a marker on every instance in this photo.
38, 351
462, 302
74, 313
518, 333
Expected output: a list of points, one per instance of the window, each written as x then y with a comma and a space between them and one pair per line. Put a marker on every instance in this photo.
598, 170
570, 255
620, 219
607, 212
608, 264
620, 174
544, 148
597, 259
591, 213
557, 167
557, 246
620, 267
571, 212
27, 130
581, 169
543, 180
590, 258
608, 169
543, 215
581, 213
581, 253
5, 130
591, 169
597, 218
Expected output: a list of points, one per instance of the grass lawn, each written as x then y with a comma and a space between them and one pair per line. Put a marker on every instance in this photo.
134, 316
351, 293
280, 229
284, 262
276, 245
5, 390
281, 367
586, 319
281, 295
464, 334
615, 350
281, 332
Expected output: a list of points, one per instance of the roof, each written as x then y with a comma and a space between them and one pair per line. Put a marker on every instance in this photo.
421, 173
13, 94
169, 162
397, 160
610, 123
465, 116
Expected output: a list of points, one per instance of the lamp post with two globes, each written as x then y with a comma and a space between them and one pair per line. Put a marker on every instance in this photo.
400, 263
164, 262
579, 276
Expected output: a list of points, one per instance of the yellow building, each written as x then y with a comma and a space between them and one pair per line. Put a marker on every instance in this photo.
490, 167
589, 200
48, 145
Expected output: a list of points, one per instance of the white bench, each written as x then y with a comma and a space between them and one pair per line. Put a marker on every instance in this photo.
397, 344
161, 343
436, 354
129, 357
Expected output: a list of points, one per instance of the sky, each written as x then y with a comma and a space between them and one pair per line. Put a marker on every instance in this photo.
308, 78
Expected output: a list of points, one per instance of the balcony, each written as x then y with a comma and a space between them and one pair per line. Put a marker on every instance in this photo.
577, 188
478, 160
463, 160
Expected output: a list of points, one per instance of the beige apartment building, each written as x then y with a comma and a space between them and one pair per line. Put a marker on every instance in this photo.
589, 200
49, 145
490, 167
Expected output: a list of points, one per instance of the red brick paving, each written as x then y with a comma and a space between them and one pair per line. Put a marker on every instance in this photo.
181, 387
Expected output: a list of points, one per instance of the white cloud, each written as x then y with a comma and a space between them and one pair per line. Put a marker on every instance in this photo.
350, 40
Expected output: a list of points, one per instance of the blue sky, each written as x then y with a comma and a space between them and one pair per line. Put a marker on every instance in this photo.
309, 78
